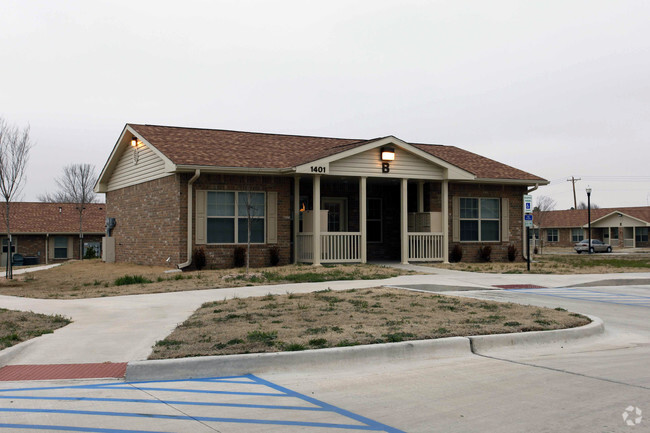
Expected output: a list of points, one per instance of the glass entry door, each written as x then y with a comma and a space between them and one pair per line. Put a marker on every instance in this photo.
337, 214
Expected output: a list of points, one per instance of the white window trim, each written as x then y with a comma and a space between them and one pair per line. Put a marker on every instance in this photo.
236, 217
557, 231
574, 237
479, 219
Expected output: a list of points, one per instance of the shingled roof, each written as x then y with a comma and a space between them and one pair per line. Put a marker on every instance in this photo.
53, 218
578, 217
223, 148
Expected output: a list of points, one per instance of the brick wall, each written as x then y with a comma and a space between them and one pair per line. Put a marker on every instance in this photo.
148, 221
35, 246
514, 194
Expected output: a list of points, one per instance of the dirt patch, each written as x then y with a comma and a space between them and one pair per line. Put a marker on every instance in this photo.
94, 278
561, 265
346, 318
19, 326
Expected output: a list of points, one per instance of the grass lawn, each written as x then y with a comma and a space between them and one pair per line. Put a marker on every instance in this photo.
346, 318
562, 264
93, 278
18, 326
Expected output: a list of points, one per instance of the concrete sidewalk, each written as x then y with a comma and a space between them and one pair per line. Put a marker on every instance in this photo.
124, 328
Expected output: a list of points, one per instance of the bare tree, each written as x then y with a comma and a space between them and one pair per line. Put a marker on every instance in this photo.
583, 205
254, 209
14, 154
75, 186
544, 205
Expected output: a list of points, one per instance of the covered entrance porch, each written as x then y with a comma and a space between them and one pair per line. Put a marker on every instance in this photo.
346, 219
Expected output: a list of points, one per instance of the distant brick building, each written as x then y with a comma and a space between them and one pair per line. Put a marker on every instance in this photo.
308, 199
49, 232
622, 227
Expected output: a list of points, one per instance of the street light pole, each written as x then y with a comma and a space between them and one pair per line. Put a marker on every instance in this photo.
589, 217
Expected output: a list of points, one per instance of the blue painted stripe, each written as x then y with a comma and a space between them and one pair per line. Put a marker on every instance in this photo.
201, 418
203, 391
202, 379
169, 402
372, 425
78, 429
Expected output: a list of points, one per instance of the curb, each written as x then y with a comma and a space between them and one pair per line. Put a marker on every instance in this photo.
482, 343
256, 363
6, 355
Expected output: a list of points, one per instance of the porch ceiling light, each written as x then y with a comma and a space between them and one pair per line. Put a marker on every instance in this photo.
387, 154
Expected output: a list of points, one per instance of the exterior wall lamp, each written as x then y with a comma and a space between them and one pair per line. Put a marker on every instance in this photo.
387, 154
134, 141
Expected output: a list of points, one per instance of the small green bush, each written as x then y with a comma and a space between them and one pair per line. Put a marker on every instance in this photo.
132, 279
240, 257
456, 254
512, 253
485, 253
90, 254
274, 252
199, 258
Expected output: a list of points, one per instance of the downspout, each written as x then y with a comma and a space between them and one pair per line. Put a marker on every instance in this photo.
197, 173
523, 238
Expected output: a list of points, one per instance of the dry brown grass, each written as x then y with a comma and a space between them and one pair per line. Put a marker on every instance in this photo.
567, 264
344, 318
93, 278
18, 326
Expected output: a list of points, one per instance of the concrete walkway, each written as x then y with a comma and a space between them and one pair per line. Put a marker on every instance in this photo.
124, 328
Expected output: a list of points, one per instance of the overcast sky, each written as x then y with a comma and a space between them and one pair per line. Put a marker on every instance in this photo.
555, 88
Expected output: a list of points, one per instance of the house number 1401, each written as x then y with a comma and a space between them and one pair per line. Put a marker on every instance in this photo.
317, 169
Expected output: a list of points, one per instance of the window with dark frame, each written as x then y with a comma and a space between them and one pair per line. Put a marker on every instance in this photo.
552, 235
641, 234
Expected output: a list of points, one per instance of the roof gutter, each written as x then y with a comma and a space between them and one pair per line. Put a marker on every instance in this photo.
523, 238
185, 264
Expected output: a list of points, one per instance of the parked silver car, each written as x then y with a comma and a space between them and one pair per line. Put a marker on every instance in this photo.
596, 246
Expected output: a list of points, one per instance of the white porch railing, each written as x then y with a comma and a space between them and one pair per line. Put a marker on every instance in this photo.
425, 247
304, 247
628, 243
336, 247
340, 247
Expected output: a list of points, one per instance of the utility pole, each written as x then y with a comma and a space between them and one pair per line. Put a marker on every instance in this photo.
573, 181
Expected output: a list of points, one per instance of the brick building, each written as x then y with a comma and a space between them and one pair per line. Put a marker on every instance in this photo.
623, 227
49, 232
310, 199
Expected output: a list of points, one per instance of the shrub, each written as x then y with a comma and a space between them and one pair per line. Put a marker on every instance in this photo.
535, 251
240, 257
274, 251
512, 252
90, 254
456, 254
484, 253
132, 279
199, 258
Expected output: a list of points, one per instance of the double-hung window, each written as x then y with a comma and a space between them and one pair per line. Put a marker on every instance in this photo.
373, 220
577, 235
228, 214
552, 235
641, 234
479, 219
60, 247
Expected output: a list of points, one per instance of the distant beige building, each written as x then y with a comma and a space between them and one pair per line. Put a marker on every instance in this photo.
624, 227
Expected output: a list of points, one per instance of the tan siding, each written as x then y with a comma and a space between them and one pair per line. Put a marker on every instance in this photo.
405, 165
201, 203
127, 173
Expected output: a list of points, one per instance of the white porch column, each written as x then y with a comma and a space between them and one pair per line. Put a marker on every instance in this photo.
296, 216
316, 206
362, 219
404, 222
421, 196
445, 221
